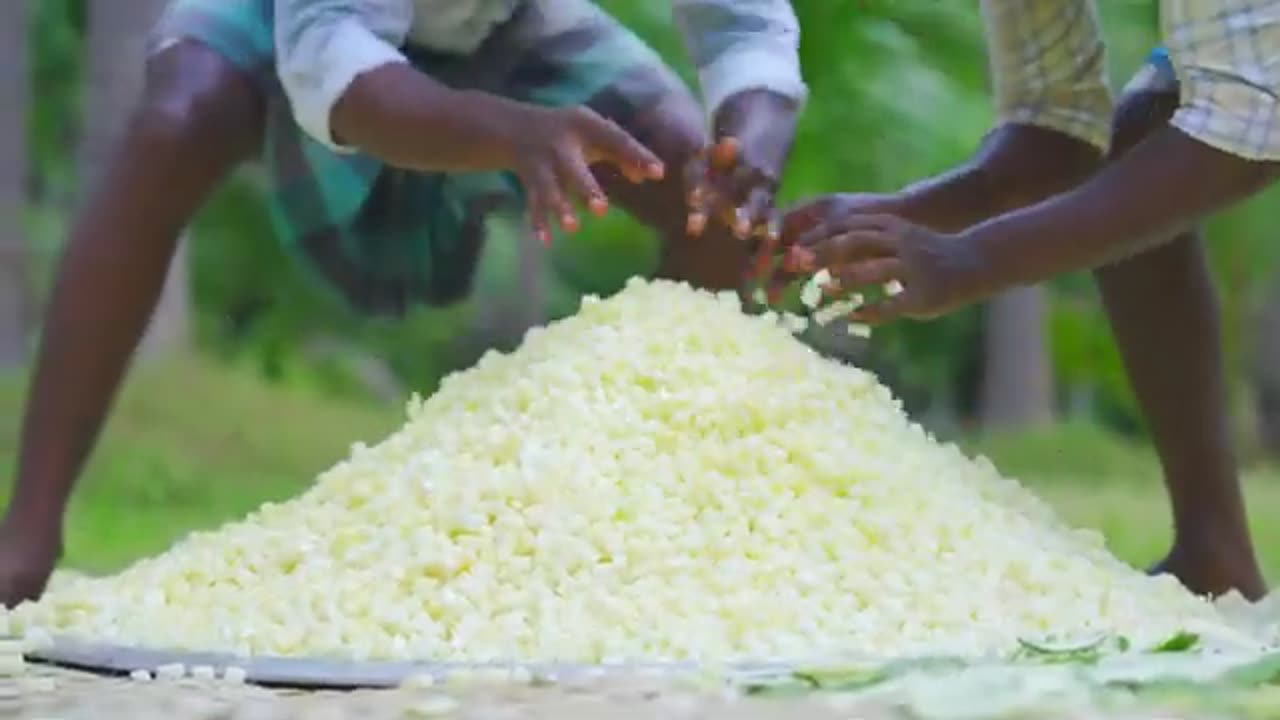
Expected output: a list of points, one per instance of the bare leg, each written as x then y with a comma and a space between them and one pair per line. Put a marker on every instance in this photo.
200, 117
1164, 312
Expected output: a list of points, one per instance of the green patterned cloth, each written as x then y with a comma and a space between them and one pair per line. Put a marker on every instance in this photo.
386, 239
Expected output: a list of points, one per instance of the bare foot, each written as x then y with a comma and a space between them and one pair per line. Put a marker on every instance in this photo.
1214, 569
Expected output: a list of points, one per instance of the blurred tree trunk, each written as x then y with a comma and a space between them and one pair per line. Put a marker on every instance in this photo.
1017, 386
115, 66
15, 68
1267, 374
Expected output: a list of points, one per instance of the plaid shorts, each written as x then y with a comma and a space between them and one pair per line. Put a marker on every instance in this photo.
387, 239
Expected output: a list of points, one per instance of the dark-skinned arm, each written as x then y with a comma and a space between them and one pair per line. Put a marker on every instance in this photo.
351, 88
1016, 166
1162, 187
410, 120
747, 55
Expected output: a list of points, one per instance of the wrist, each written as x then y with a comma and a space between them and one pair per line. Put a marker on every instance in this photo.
991, 257
952, 201
751, 111
499, 124
762, 121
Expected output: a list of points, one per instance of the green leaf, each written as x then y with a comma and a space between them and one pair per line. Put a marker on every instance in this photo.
1073, 651
845, 678
1181, 642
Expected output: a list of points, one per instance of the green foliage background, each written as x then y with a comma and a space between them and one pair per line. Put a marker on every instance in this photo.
899, 91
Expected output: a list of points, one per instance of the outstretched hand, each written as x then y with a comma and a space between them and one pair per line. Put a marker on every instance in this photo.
553, 156
812, 218
734, 181
938, 273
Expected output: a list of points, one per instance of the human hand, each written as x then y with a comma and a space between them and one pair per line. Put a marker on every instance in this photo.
735, 179
938, 272
552, 150
812, 217
27, 558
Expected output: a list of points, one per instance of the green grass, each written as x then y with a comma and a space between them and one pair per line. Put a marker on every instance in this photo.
193, 444
190, 445
1097, 480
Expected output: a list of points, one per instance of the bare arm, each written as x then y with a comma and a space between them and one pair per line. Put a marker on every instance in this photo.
1162, 187
1017, 165
107, 284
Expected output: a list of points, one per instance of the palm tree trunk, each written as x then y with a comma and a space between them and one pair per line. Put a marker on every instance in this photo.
1267, 374
15, 285
1017, 389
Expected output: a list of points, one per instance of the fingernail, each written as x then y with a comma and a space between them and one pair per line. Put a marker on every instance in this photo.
598, 205
803, 259
569, 223
656, 171
697, 222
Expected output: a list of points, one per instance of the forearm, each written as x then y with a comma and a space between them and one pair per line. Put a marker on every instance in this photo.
409, 120
1016, 166
1163, 186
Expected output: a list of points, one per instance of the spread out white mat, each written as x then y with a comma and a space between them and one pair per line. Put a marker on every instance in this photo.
338, 674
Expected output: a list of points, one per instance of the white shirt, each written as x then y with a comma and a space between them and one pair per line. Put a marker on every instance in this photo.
322, 46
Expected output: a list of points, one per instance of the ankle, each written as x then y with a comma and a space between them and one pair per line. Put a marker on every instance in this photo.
1213, 537
1215, 566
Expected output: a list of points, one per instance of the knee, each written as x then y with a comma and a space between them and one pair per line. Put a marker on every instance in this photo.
192, 95
1137, 116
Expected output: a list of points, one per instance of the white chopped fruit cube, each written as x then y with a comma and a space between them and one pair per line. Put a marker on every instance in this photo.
171, 671
140, 676
893, 287
794, 324
11, 665
39, 685
203, 672
37, 639
235, 675
419, 681
760, 297
437, 706
628, 484
835, 311
859, 330
811, 293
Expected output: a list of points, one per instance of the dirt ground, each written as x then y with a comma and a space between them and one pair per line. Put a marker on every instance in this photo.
54, 694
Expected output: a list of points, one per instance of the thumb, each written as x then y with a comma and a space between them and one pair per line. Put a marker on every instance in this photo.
606, 142
804, 217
